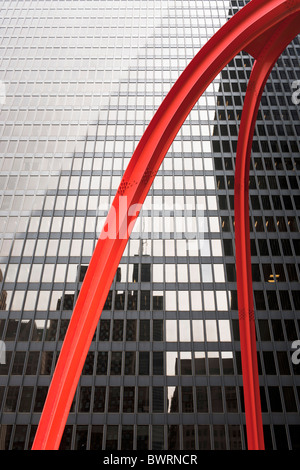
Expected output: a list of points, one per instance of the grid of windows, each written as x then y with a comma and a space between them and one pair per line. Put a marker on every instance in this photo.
83, 79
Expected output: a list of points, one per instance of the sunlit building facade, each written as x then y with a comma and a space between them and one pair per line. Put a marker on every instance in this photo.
80, 81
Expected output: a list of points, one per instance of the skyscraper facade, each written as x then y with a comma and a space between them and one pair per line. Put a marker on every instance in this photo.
80, 82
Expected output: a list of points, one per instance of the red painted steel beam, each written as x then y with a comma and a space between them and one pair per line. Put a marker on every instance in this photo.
240, 31
271, 49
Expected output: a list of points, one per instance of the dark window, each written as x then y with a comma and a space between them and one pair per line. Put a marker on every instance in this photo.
128, 400
158, 399
104, 330
292, 273
142, 439
231, 400
118, 330
132, 300
143, 399
216, 399
102, 360
112, 438
188, 437
114, 400
89, 364
201, 398
127, 437
235, 441
40, 398
99, 399
26, 399
158, 330
19, 437
158, 363
275, 401
259, 300
289, 399
18, 364
264, 330
131, 330
145, 300
144, 330
283, 363
173, 437
275, 248
96, 437
143, 363
84, 400
263, 247
116, 363
204, 437
290, 329
280, 437
129, 363
228, 248
269, 362
219, 437
285, 300
277, 330
272, 300
157, 437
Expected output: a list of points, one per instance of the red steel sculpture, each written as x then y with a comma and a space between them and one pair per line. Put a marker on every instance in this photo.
263, 28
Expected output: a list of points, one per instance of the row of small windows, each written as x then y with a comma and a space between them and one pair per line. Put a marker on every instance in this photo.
135, 300
265, 272
83, 202
88, 164
121, 330
155, 399
272, 247
157, 273
127, 146
130, 363
262, 130
244, 74
261, 164
153, 437
156, 248
261, 146
84, 247
171, 301
259, 182
131, 273
148, 330
155, 363
264, 203
98, 437
265, 224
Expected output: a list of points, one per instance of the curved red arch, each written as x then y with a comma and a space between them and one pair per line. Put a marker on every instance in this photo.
244, 29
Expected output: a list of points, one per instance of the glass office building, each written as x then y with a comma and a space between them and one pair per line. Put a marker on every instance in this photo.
80, 80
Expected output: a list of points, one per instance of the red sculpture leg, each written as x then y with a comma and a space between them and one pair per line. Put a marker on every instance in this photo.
241, 30
263, 66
